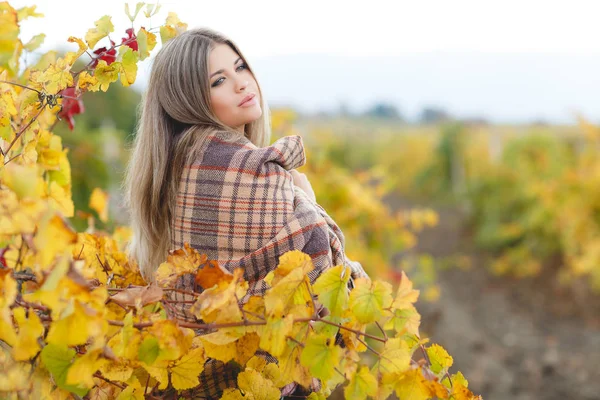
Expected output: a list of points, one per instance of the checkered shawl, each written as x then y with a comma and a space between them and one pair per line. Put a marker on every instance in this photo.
237, 203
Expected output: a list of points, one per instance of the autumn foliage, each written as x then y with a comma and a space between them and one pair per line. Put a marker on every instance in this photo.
77, 319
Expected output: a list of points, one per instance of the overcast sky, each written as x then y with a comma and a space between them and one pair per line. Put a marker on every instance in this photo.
509, 61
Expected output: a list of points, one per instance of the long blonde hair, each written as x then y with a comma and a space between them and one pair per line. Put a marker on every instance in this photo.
174, 117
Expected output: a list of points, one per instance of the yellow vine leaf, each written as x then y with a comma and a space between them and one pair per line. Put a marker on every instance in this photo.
138, 7
222, 352
273, 339
54, 237
185, 372
459, 388
7, 330
179, 262
256, 386
289, 291
411, 385
173, 20
439, 358
17, 219
42, 386
351, 339
106, 74
173, 340
35, 42
361, 385
7, 109
151, 9
8, 289
70, 57
9, 18
83, 368
91, 249
247, 346
30, 329
99, 203
102, 391
14, 378
116, 371
88, 82
125, 344
407, 319
28, 108
395, 357
233, 394
55, 77
129, 67
460, 392
291, 368
256, 363
76, 324
52, 291
62, 176
269, 370
159, 371
222, 336
104, 26
369, 298
49, 157
24, 180
290, 261
29, 155
133, 391
254, 309
26, 12
172, 27
405, 295
321, 355
240, 350
10, 46
60, 199
332, 289
349, 365
220, 303
146, 42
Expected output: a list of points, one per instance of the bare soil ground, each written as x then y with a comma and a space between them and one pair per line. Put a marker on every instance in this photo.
516, 339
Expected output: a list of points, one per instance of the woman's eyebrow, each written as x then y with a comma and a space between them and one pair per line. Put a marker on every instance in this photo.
219, 71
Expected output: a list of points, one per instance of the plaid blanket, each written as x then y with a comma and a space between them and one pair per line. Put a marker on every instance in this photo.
238, 204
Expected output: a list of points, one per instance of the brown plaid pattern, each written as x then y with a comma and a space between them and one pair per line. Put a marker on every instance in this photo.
237, 203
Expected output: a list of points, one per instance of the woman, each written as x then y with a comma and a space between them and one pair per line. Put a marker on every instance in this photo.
202, 170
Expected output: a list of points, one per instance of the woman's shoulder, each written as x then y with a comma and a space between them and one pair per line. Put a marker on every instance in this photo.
225, 148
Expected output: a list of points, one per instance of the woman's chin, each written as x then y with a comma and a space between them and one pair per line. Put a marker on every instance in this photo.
255, 114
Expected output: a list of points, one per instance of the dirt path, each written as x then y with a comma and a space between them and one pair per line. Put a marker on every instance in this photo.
512, 339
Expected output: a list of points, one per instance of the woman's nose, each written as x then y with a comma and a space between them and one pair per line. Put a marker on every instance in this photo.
243, 84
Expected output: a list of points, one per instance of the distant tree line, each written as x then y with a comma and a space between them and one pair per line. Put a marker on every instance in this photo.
389, 111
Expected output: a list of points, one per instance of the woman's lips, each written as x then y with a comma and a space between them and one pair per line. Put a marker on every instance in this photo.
248, 100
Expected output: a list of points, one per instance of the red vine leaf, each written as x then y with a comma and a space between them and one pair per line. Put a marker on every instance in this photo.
70, 106
128, 40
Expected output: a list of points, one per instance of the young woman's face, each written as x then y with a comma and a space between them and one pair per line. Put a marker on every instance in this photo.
230, 82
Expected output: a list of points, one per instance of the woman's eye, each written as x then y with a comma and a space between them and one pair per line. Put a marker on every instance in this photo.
218, 81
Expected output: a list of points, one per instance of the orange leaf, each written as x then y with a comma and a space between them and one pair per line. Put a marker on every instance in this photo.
211, 274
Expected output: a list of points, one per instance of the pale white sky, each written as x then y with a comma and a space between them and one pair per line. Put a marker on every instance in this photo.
267, 27
468, 76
